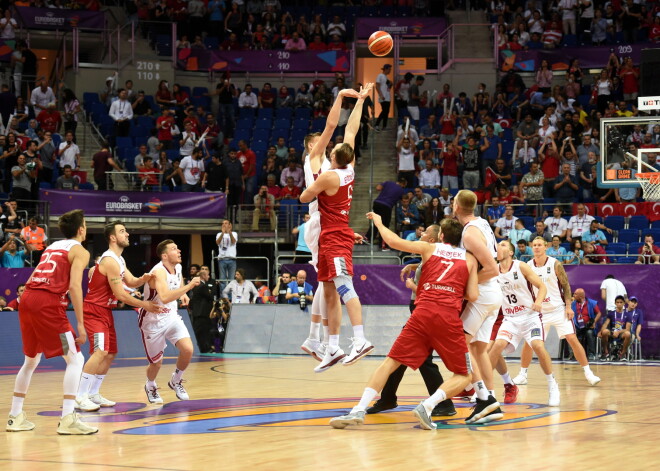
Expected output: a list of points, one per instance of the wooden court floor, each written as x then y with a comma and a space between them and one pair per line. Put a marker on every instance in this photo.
271, 413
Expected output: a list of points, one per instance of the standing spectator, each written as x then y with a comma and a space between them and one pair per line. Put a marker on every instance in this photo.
248, 99
471, 158
532, 184
449, 166
649, 253
121, 111
492, 151
302, 253
69, 152
406, 159
568, 9
390, 193
192, 170
102, 163
71, 110
249, 161
402, 92
23, 177
50, 119
226, 93
41, 96
8, 26
264, 204
587, 315
12, 257
215, 177
598, 28
226, 240
630, 17
201, 304
242, 290
544, 73
414, 95
35, 238
164, 125
630, 78
383, 86
188, 141
610, 288
565, 186
66, 181
235, 177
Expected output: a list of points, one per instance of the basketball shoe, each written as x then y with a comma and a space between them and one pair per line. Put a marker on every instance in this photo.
592, 379
152, 395
84, 404
360, 348
101, 401
20, 423
311, 347
482, 408
465, 395
510, 393
330, 359
424, 418
180, 391
444, 408
72, 425
520, 379
554, 395
352, 418
380, 406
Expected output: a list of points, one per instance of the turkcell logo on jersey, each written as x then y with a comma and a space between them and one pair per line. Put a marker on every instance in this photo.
253, 414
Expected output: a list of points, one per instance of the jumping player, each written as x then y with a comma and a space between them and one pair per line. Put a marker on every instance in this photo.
556, 310
449, 274
106, 287
45, 327
479, 316
522, 314
164, 289
334, 189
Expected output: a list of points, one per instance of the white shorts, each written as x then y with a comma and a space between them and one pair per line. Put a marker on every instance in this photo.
157, 330
479, 317
312, 234
514, 329
558, 318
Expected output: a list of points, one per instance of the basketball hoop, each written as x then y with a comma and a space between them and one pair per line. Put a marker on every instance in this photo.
650, 183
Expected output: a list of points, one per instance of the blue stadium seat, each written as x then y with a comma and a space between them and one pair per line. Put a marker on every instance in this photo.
211, 42
628, 236
615, 223
655, 232
507, 134
199, 91
203, 101
172, 154
265, 113
303, 113
634, 247
629, 260
139, 131
246, 113
45, 185
140, 140
261, 135
434, 192
86, 186
245, 123
638, 222
259, 146
507, 150
301, 123
264, 123
146, 122
569, 40
284, 113
242, 134
318, 125
127, 153
282, 123
566, 246
617, 248
124, 142
528, 221
298, 134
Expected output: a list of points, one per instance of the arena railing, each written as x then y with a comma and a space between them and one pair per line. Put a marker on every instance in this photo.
241, 263
133, 181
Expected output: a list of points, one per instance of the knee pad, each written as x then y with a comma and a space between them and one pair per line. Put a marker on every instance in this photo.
344, 285
32, 363
74, 358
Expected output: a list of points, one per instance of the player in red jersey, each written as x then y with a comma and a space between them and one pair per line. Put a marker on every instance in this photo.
334, 190
449, 274
106, 287
45, 327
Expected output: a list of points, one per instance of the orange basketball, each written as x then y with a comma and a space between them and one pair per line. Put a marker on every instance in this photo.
380, 43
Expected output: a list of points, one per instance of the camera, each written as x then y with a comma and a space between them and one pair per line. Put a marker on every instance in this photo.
30, 166
303, 300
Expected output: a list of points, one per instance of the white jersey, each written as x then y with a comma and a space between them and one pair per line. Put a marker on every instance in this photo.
173, 283
491, 245
555, 297
518, 294
310, 177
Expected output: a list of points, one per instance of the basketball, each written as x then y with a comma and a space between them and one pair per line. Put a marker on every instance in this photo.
380, 43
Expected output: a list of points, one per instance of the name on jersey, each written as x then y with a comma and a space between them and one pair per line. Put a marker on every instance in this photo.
428, 286
348, 179
508, 311
450, 253
40, 280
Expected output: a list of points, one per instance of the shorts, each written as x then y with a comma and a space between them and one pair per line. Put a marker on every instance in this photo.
414, 112
100, 327
312, 233
528, 327
558, 319
335, 253
44, 325
157, 329
479, 317
496, 326
428, 330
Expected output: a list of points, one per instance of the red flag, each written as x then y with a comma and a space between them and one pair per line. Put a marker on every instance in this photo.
589, 208
490, 177
651, 210
608, 209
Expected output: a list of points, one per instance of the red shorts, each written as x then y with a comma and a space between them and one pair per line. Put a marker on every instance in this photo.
44, 325
335, 253
496, 326
100, 327
430, 329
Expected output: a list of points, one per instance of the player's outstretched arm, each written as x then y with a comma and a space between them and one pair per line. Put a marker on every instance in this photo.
390, 238
472, 287
78, 258
113, 273
474, 243
536, 281
166, 295
331, 123
353, 125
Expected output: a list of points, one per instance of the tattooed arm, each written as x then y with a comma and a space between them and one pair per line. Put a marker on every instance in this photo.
565, 287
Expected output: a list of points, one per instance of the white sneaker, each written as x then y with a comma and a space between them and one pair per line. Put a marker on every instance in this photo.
520, 379
180, 391
321, 350
343, 421
72, 425
311, 347
101, 401
361, 347
555, 395
330, 359
152, 395
592, 379
84, 404
20, 423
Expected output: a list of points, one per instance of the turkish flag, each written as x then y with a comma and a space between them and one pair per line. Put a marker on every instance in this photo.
631, 209
608, 209
651, 211
490, 177
589, 208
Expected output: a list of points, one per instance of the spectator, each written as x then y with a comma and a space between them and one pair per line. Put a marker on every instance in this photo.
140, 105
336, 26
616, 326
649, 253
138, 160
429, 177
23, 176
565, 186
519, 232
66, 181
528, 131
636, 317
302, 253
407, 215
556, 225
630, 17
317, 44
552, 35
449, 166
50, 119
289, 191
264, 208
42, 96
280, 288
14, 223
523, 251
544, 73
164, 124
266, 97
390, 193
594, 254
594, 235
576, 255
292, 170
421, 200
580, 223
264, 292
71, 110
416, 234
121, 111
383, 86
8, 26
587, 315
188, 141
298, 288
568, 9
304, 98
12, 257
201, 305
540, 231
505, 224
247, 99
414, 96
102, 163
35, 238
191, 171
495, 211
471, 158
108, 93
284, 98
406, 160
296, 43
248, 160
226, 240
149, 175
434, 212
532, 184
584, 148
235, 177
242, 290
215, 177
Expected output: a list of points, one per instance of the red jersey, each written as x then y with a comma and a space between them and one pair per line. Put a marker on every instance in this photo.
53, 274
335, 209
444, 278
247, 159
98, 290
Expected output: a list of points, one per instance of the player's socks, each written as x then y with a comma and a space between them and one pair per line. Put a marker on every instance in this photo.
523, 371
551, 378
177, 375
67, 406
326, 335
367, 396
480, 388
96, 385
358, 331
333, 340
16, 405
492, 393
506, 378
151, 384
314, 330
436, 398
587, 370
86, 382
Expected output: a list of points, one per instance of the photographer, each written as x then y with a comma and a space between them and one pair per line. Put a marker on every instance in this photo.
649, 253
264, 204
201, 305
587, 315
299, 291
281, 287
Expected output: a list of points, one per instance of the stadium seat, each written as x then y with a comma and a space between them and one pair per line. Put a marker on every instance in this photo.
616, 223
45, 185
199, 91
139, 131
277, 133
303, 113
638, 222
86, 186
566, 246
528, 221
265, 113
246, 113
629, 260
655, 225
264, 123
284, 113
628, 236
203, 101
172, 154
140, 140
318, 125
124, 142
242, 134
633, 249
434, 192
261, 135
301, 123
617, 248
245, 123
146, 122
298, 134
282, 123
655, 232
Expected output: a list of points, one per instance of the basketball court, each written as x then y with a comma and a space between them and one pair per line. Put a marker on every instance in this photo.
268, 412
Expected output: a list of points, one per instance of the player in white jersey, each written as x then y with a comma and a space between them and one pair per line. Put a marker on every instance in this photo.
557, 310
315, 164
522, 313
164, 289
479, 316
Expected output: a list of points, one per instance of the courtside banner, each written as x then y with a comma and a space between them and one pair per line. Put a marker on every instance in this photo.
137, 203
60, 19
414, 26
646, 103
